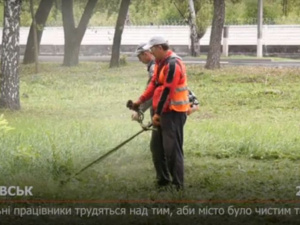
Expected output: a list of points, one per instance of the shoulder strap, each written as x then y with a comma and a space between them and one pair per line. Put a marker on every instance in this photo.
172, 66
172, 61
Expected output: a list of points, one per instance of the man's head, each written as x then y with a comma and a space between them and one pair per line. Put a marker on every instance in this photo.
158, 46
143, 53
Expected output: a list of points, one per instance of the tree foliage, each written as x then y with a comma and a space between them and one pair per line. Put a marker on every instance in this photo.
203, 10
164, 11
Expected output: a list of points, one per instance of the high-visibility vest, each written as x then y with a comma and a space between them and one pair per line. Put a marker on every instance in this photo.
179, 101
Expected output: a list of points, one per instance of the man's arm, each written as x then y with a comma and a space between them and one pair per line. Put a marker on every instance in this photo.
148, 93
146, 105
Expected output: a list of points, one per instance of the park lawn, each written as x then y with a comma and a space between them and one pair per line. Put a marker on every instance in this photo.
253, 57
242, 145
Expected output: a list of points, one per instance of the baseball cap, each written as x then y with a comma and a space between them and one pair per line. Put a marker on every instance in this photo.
156, 40
141, 48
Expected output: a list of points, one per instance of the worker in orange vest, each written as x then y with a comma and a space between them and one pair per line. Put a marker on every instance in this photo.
170, 103
145, 56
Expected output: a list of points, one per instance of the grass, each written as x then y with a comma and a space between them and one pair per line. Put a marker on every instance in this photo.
254, 57
243, 145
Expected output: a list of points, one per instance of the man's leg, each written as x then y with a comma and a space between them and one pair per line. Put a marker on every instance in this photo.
172, 124
159, 158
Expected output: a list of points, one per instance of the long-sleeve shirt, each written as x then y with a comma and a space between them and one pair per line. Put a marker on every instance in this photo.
162, 88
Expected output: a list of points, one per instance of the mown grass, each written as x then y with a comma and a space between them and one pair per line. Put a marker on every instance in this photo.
254, 57
243, 144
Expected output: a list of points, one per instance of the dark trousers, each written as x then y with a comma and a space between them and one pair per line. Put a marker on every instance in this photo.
167, 149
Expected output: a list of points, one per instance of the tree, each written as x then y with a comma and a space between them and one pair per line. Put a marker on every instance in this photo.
34, 37
73, 35
41, 16
196, 13
271, 11
114, 61
259, 50
9, 80
214, 52
285, 6
193, 29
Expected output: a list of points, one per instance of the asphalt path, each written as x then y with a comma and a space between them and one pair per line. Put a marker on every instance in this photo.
187, 60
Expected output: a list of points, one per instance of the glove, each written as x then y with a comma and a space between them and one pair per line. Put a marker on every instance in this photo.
133, 105
156, 120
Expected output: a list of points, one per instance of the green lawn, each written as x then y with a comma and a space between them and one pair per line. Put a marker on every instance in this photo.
254, 57
243, 145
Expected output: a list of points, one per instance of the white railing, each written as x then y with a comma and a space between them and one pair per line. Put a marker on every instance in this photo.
177, 35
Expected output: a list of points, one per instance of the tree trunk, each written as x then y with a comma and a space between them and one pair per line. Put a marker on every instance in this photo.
41, 16
214, 52
73, 35
34, 37
9, 80
115, 56
193, 30
285, 7
71, 51
260, 20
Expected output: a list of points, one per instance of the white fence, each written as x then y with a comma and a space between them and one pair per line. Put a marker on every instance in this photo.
177, 35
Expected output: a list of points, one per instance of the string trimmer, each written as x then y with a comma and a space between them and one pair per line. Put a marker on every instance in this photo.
140, 121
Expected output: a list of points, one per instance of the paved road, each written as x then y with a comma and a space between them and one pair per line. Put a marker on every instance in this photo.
187, 60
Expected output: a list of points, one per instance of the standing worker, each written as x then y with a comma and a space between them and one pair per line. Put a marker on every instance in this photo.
144, 55
170, 102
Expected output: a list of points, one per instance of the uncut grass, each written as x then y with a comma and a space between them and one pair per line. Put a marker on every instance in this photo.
242, 144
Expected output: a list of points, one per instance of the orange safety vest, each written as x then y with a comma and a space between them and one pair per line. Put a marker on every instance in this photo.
179, 101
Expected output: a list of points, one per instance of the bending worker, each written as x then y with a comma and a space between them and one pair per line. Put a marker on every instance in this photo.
145, 56
170, 102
